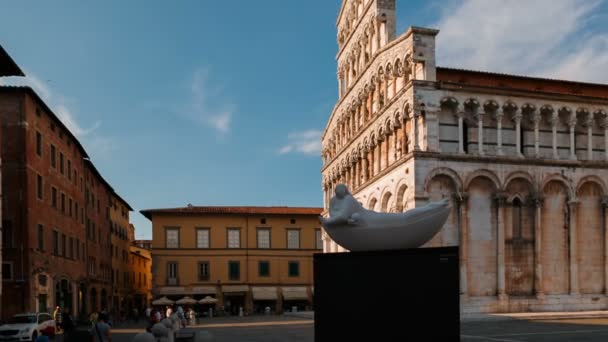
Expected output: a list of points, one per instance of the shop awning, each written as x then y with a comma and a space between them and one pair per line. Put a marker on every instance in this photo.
294, 293
235, 288
264, 293
204, 290
172, 290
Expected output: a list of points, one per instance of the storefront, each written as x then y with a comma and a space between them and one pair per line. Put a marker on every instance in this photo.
295, 298
235, 298
264, 299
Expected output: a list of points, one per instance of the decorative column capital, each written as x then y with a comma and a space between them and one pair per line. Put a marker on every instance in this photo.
536, 117
517, 116
572, 120
604, 202
500, 198
572, 203
460, 197
554, 120
536, 200
499, 114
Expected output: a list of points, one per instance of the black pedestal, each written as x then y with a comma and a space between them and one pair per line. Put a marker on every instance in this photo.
402, 295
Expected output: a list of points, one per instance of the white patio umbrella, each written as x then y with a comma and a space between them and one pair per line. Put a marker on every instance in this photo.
186, 301
208, 300
163, 301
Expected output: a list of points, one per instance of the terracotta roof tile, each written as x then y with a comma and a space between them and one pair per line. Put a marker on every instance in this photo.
195, 210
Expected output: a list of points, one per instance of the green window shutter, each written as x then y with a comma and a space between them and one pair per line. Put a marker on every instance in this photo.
264, 269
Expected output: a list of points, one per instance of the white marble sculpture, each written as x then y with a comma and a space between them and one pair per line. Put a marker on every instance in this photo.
358, 229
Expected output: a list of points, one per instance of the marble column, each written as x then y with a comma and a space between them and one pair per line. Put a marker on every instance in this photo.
415, 145
500, 255
517, 118
606, 141
461, 199
499, 116
479, 116
605, 206
572, 205
460, 115
536, 117
554, 123
365, 166
538, 265
572, 126
589, 123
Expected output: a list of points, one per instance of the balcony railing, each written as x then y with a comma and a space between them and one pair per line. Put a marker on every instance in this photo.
172, 281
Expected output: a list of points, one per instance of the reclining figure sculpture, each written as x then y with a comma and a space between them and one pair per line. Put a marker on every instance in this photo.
358, 229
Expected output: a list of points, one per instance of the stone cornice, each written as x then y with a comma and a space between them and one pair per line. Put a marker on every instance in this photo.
442, 85
512, 160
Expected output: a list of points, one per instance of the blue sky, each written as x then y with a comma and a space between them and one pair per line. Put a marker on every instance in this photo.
222, 102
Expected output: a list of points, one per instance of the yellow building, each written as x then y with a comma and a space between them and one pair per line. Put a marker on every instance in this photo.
249, 257
121, 270
141, 274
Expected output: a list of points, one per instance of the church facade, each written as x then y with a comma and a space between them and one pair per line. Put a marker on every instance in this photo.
523, 160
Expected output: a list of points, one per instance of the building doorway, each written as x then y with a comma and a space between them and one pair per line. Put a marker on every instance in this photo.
63, 295
233, 303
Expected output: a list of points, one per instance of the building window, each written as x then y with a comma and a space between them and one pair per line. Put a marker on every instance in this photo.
71, 250
7, 233
40, 238
7, 270
69, 169
39, 187
38, 143
70, 207
202, 238
234, 270
234, 238
62, 203
76, 210
171, 273
61, 162
293, 238
263, 237
294, 269
264, 269
203, 271
55, 242
172, 237
63, 245
54, 197
318, 239
78, 249
53, 156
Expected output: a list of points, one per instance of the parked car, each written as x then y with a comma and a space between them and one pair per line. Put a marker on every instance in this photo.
26, 327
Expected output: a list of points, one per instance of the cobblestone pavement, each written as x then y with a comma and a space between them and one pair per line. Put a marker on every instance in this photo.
281, 329
570, 330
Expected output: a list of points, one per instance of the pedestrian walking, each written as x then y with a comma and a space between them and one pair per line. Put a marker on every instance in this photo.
57, 317
68, 324
101, 330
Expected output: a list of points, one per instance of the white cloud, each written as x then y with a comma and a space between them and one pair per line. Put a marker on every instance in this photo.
97, 144
541, 37
204, 109
306, 142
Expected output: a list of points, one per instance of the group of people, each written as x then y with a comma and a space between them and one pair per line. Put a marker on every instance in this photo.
184, 317
100, 330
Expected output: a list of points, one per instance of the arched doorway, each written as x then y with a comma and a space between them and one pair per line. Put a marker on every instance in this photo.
93, 299
63, 294
104, 299
82, 295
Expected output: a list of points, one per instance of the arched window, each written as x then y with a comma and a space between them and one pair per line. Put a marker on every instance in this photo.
517, 219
